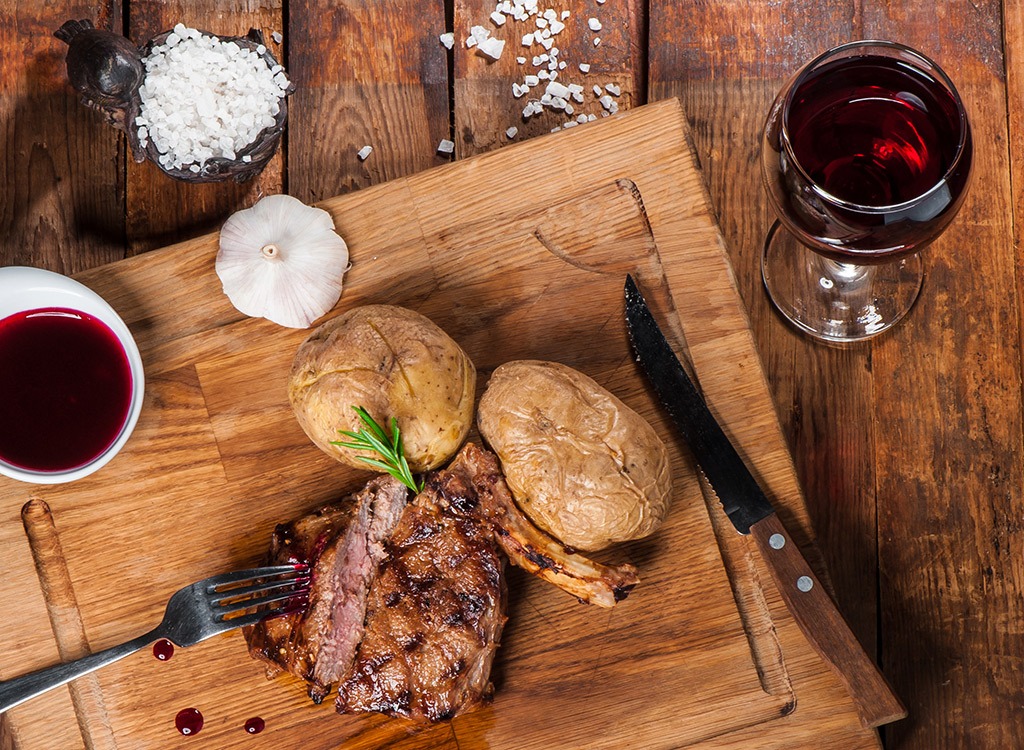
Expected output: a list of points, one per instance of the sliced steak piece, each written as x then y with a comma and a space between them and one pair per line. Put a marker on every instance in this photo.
474, 484
434, 617
342, 543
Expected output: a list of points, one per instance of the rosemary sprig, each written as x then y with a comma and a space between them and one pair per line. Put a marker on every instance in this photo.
374, 438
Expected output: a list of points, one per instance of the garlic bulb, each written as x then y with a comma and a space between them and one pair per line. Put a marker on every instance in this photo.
282, 260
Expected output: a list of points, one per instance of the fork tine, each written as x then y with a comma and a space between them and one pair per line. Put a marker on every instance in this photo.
238, 576
259, 601
254, 617
217, 598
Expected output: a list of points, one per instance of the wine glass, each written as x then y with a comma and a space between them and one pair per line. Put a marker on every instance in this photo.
866, 157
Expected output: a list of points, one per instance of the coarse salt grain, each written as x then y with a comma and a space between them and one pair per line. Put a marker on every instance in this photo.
491, 47
446, 146
276, 36
584, 67
611, 88
364, 152
497, 18
512, 132
203, 98
594, 24
448, 40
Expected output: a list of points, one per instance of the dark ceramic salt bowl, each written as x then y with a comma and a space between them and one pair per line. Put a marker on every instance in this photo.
106, 69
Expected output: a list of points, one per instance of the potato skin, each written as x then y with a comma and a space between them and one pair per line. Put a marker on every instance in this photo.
395, 363
581, 464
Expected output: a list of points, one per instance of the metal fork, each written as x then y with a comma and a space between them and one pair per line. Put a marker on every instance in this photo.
195, 613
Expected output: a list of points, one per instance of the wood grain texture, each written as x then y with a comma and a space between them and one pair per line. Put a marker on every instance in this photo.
948, 436
161, 210
366, 76
669, 668
62, 181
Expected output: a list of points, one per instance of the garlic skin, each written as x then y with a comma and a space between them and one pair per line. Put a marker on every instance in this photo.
282, 260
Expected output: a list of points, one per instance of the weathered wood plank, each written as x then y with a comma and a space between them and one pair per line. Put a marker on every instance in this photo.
485, 107
368, 74
948, 430
161, 210
61, 185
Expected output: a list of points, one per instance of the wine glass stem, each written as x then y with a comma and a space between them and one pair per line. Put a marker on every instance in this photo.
835, 300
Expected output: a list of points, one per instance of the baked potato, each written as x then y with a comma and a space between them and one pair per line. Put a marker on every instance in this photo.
394, 363
580, 463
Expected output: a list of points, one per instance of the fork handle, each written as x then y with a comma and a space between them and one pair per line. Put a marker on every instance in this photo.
20, 689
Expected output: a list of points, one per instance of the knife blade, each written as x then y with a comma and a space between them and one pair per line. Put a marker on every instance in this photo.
750, 512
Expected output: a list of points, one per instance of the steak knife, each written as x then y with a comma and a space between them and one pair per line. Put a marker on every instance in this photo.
751, 513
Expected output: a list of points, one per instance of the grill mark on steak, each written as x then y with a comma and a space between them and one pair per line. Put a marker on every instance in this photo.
341, 543
435, 613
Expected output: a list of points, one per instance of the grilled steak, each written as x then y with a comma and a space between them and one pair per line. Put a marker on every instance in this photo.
434, 617
342, 543
407, 602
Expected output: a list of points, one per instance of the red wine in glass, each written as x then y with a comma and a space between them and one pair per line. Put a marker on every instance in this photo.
866, 158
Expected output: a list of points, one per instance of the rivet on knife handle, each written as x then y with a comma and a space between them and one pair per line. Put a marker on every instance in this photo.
751, 513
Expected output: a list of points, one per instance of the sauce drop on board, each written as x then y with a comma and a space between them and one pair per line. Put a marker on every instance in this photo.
255, 725
189, 721
163, 649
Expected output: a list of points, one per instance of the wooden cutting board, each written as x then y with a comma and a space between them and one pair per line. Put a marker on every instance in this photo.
519, 253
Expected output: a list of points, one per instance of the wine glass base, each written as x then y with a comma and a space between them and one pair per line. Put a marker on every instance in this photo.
834, 301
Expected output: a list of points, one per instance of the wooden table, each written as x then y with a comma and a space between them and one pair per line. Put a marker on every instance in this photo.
907, 447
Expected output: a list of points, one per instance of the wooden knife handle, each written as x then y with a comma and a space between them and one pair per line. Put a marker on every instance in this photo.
820, 620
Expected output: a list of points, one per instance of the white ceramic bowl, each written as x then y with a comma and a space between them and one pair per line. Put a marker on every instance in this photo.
23, 288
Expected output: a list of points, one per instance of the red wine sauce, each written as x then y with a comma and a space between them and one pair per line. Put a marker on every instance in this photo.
189, 721
255, 725
65, 389
163, 649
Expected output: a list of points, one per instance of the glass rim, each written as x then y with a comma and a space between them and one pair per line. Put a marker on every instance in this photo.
824, 194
